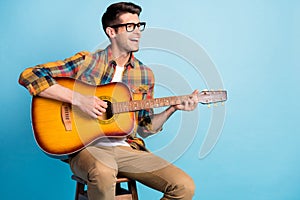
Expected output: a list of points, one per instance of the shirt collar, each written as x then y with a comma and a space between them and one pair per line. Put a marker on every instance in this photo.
112, 62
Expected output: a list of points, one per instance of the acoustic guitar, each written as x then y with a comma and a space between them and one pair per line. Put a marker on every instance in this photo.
61, 129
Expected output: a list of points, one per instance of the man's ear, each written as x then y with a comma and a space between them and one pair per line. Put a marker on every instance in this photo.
111, 32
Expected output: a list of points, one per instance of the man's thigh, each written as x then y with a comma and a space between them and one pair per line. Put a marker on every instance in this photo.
93, 157
149, 169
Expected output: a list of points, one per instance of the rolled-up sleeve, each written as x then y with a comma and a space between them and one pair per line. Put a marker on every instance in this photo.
145, 128
40, 77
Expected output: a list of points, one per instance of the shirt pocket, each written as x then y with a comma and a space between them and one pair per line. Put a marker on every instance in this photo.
140, 92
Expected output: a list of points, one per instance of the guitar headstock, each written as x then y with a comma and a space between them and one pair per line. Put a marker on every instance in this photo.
208, 97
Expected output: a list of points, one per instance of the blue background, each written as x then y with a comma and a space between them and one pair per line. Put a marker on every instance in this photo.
255, 47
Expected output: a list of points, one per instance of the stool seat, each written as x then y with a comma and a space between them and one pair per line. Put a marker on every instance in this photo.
121, 193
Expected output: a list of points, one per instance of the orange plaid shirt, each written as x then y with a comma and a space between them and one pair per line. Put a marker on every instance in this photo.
94, 68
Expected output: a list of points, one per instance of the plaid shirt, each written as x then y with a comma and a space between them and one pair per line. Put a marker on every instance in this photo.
94, 68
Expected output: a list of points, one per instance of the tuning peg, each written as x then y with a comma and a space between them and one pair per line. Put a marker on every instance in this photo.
208, 105
215, 104
223, 104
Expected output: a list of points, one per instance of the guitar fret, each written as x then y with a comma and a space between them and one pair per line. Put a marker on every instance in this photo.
125, 107
147, 104
161, 102
122, 107
130, 106
134, 105
177, 100
167, 102
116, 107
156, 103
172, 101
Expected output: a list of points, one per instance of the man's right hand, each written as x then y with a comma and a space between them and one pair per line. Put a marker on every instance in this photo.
91, 105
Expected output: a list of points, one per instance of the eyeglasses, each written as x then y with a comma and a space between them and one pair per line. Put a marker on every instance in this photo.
131, 26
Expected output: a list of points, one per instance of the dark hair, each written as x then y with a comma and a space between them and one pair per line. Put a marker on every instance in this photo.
112, 13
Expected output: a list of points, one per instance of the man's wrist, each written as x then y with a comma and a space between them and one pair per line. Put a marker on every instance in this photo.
171, 109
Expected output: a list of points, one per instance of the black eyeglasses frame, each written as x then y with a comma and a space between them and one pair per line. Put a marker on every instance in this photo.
140, 24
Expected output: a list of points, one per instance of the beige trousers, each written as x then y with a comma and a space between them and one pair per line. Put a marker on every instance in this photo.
99, 166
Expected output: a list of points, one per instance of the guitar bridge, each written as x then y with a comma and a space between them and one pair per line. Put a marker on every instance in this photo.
66, 116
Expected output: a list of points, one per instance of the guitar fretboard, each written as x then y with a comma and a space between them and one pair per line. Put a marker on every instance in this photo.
119, 107
205, 97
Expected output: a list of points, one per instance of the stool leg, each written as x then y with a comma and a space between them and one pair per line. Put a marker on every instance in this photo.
79, 190
133, 190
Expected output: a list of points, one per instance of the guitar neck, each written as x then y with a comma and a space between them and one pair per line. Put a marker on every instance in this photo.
205, 97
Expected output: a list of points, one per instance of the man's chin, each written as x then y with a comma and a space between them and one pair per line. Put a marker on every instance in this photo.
135, 50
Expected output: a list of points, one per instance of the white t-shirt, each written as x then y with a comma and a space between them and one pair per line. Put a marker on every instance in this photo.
114, 141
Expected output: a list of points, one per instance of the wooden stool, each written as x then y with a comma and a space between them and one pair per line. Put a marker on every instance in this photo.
121, 193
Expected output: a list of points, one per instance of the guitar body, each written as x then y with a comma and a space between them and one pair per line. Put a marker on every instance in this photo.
61, 130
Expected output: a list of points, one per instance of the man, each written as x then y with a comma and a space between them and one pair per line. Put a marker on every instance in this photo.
100, 163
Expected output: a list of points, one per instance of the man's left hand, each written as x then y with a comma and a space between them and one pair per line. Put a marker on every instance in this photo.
189, 104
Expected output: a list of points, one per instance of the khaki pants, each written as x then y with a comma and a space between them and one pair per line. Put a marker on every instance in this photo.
99, 166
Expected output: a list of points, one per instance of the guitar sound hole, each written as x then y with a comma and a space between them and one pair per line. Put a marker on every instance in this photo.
109, 113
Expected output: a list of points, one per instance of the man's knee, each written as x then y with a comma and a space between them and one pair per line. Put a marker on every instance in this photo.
100, 174
101, 182
189, 188
183, 188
